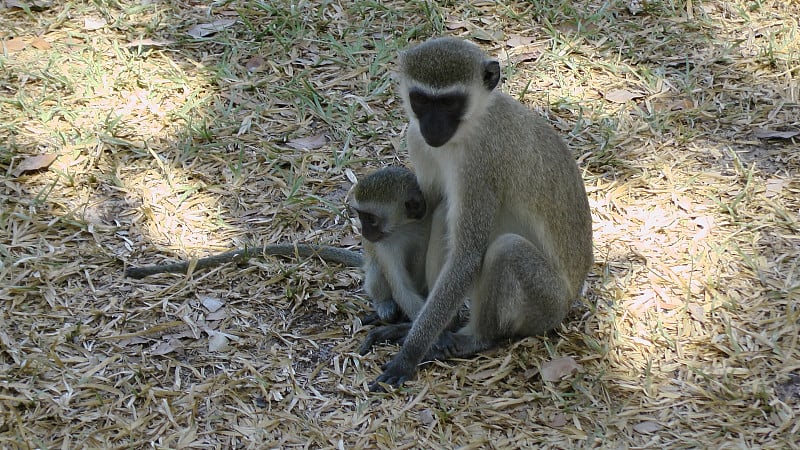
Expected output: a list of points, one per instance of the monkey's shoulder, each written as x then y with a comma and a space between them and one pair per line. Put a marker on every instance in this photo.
506, 111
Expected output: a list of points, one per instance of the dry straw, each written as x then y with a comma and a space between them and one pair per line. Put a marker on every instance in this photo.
182, 129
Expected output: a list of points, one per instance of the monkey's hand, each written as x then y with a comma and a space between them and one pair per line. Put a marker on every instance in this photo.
449, 345
393, 333
395, 373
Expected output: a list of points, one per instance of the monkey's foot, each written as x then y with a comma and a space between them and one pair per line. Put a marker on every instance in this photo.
455, 345
395, 373
393, 334
374, 318
371, 319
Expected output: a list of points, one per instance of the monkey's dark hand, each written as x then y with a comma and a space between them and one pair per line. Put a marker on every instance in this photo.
393, 333
395, 373
451, 345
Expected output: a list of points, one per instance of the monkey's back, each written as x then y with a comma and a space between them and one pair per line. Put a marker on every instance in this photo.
536, 165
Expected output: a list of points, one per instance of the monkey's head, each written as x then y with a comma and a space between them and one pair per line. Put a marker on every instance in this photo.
385, 200
444, 82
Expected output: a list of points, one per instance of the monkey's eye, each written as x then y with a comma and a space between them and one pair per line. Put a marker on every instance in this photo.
451, 102
419, 99
368, 220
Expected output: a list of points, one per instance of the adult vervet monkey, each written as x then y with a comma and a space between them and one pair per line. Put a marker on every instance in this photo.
515, 211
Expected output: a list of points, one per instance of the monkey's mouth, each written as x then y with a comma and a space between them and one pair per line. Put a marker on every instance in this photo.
437, 138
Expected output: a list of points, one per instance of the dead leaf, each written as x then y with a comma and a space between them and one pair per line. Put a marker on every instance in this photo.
487, 35
308, 142
452, 24
202, 30
482, 375
254, 64
635, 6
93, 23
682, 202
149, 43
530, 373
516, 40
210, 303
165, 347
763, 133
35, 5
35, 163
647, 427
217, 315
697, 312
559, 369
40, 43
349, 241
426, 417
527, 52
557, 421
15, 44
775, 186
217, 342
621, 95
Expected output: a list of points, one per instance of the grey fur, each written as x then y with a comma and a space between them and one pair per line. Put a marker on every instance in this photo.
394, 266
517, 235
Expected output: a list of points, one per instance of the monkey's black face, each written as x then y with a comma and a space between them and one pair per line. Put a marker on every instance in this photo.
439, 115
371, 226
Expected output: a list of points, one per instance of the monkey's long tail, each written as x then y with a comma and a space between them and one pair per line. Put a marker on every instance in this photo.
328, 253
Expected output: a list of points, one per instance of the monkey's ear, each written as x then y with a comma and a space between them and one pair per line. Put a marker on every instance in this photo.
491, 74
415, 208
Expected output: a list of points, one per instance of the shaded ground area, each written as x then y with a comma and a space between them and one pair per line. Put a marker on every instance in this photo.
143, 132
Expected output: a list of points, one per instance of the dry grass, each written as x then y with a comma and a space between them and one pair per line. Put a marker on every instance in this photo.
170, 146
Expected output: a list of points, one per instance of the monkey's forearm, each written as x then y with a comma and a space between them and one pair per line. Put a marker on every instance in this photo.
342, 256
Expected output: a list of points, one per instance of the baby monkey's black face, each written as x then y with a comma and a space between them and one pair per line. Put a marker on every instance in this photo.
439, 115
371, 226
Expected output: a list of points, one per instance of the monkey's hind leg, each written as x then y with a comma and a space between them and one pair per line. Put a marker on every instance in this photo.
517, 294
386, 309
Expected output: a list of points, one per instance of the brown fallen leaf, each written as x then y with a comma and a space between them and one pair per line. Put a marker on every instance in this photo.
93, 23
453, 24
621, 95
14, 44
426, 417
149, 43
40, 43
308, 142
35, 5
211, 303
217, 315
207, 29
559, 369
775, 186
217, 342
254, 64
486, 35
35, 163
763, 133
697, 312
647, 427
515, 40
558, 420
165, 347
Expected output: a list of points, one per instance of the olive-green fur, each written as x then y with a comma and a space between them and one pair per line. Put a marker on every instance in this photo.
455, 63
387, 185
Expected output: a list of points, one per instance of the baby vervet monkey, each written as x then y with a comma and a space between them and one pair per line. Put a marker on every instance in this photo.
395, 223
506, 197
395, 226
